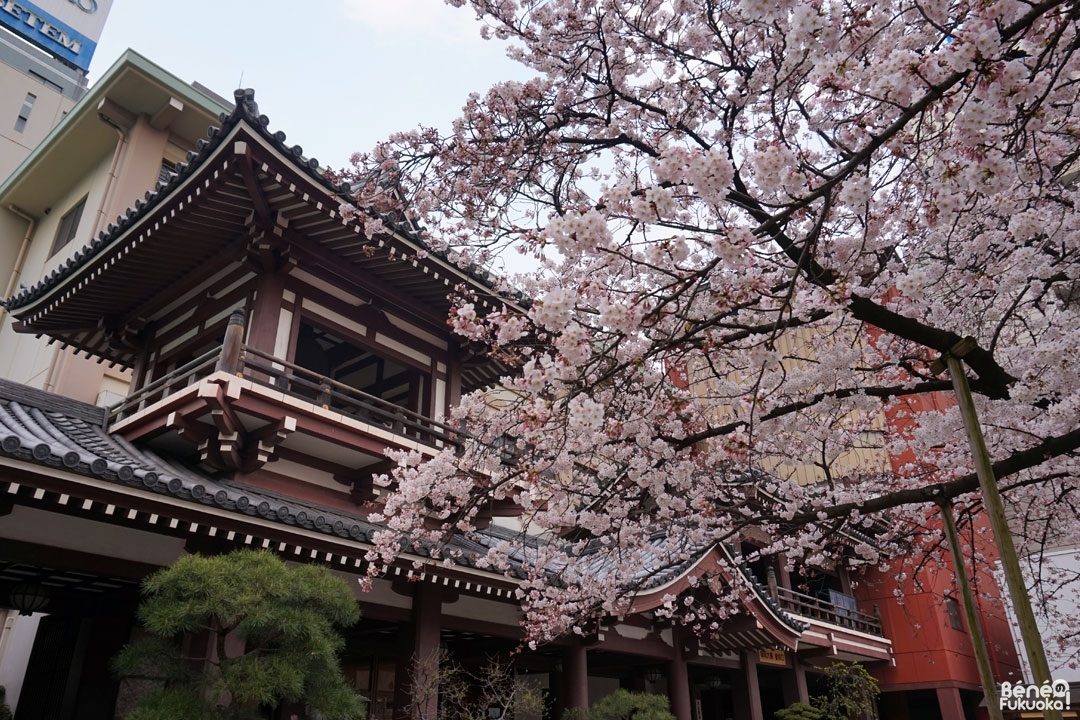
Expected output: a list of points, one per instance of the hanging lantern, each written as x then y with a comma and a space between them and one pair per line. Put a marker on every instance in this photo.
28, 598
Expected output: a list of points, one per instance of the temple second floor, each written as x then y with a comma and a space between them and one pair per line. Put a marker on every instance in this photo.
260, 318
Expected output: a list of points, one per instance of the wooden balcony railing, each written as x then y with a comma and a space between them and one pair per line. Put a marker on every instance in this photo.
807, 606
299, 382
291, 379
164, 386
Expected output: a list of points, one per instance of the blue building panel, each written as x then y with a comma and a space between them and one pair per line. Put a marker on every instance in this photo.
47, 32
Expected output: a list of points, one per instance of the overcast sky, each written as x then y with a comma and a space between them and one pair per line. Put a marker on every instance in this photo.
335, 75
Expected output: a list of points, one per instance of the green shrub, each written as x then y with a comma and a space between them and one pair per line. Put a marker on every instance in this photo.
626, 705
5, 711
799, 711
850, 693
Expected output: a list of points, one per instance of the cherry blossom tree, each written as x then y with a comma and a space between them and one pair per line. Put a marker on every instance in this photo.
756, 223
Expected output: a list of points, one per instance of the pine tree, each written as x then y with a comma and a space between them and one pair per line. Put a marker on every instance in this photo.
272, 638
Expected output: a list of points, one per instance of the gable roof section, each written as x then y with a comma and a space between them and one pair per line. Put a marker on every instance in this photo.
242, 183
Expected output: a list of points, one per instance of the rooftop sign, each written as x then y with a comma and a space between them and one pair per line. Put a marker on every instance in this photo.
66, 29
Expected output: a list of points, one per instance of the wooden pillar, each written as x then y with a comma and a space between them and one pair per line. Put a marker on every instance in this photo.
783, 575
266, 313
427, 624
679, 688
845, 582
952, 707
795, 689
747, 692
141, 368
679, 679
229, 360
771, 583
76, 670
453, 375
575, 677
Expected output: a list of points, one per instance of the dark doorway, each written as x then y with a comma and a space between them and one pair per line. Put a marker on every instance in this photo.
68, 675
771, 684
714, 689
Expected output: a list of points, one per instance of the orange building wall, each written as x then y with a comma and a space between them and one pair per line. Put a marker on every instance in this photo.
929, 652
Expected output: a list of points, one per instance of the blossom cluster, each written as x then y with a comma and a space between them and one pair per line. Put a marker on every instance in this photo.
754, 227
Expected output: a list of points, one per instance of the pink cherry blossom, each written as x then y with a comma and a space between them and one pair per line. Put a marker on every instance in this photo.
754, 225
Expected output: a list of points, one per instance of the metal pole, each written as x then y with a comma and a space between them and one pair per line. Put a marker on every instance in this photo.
995, 512
971, 614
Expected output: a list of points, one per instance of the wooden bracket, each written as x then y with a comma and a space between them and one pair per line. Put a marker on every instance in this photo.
247, 170
261, 443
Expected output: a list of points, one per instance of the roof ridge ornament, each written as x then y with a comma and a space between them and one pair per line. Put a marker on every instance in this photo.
246, 105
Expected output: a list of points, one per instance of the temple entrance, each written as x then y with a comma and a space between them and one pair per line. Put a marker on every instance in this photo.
715, 697
771, 684
85, 620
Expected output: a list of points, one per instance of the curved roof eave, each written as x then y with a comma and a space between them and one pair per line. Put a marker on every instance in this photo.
786, 629
246, 112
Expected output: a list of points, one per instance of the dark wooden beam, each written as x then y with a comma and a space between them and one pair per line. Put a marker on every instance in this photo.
364, 284
260, 444
344, 367
188, 429
230, 430
362, 479
231, 253
255, 192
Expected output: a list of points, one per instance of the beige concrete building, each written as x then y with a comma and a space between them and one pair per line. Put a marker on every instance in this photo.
135, 125
36, 91
45, 51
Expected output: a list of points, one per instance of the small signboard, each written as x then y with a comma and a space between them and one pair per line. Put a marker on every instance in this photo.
768, 656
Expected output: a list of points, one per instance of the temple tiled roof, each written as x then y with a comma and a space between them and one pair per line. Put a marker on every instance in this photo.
60, 433
56, 432
246, 109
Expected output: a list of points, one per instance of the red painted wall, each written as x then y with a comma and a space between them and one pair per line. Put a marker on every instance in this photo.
929, 651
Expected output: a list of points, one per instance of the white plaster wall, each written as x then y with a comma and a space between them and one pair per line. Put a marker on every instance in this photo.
475, 608
89, 536
15, 646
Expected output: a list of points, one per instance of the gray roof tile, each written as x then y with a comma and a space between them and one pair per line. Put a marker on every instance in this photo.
245, 110
79, 443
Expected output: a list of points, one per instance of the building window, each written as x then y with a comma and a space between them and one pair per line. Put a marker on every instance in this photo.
952, 609
69, 225
24, 112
